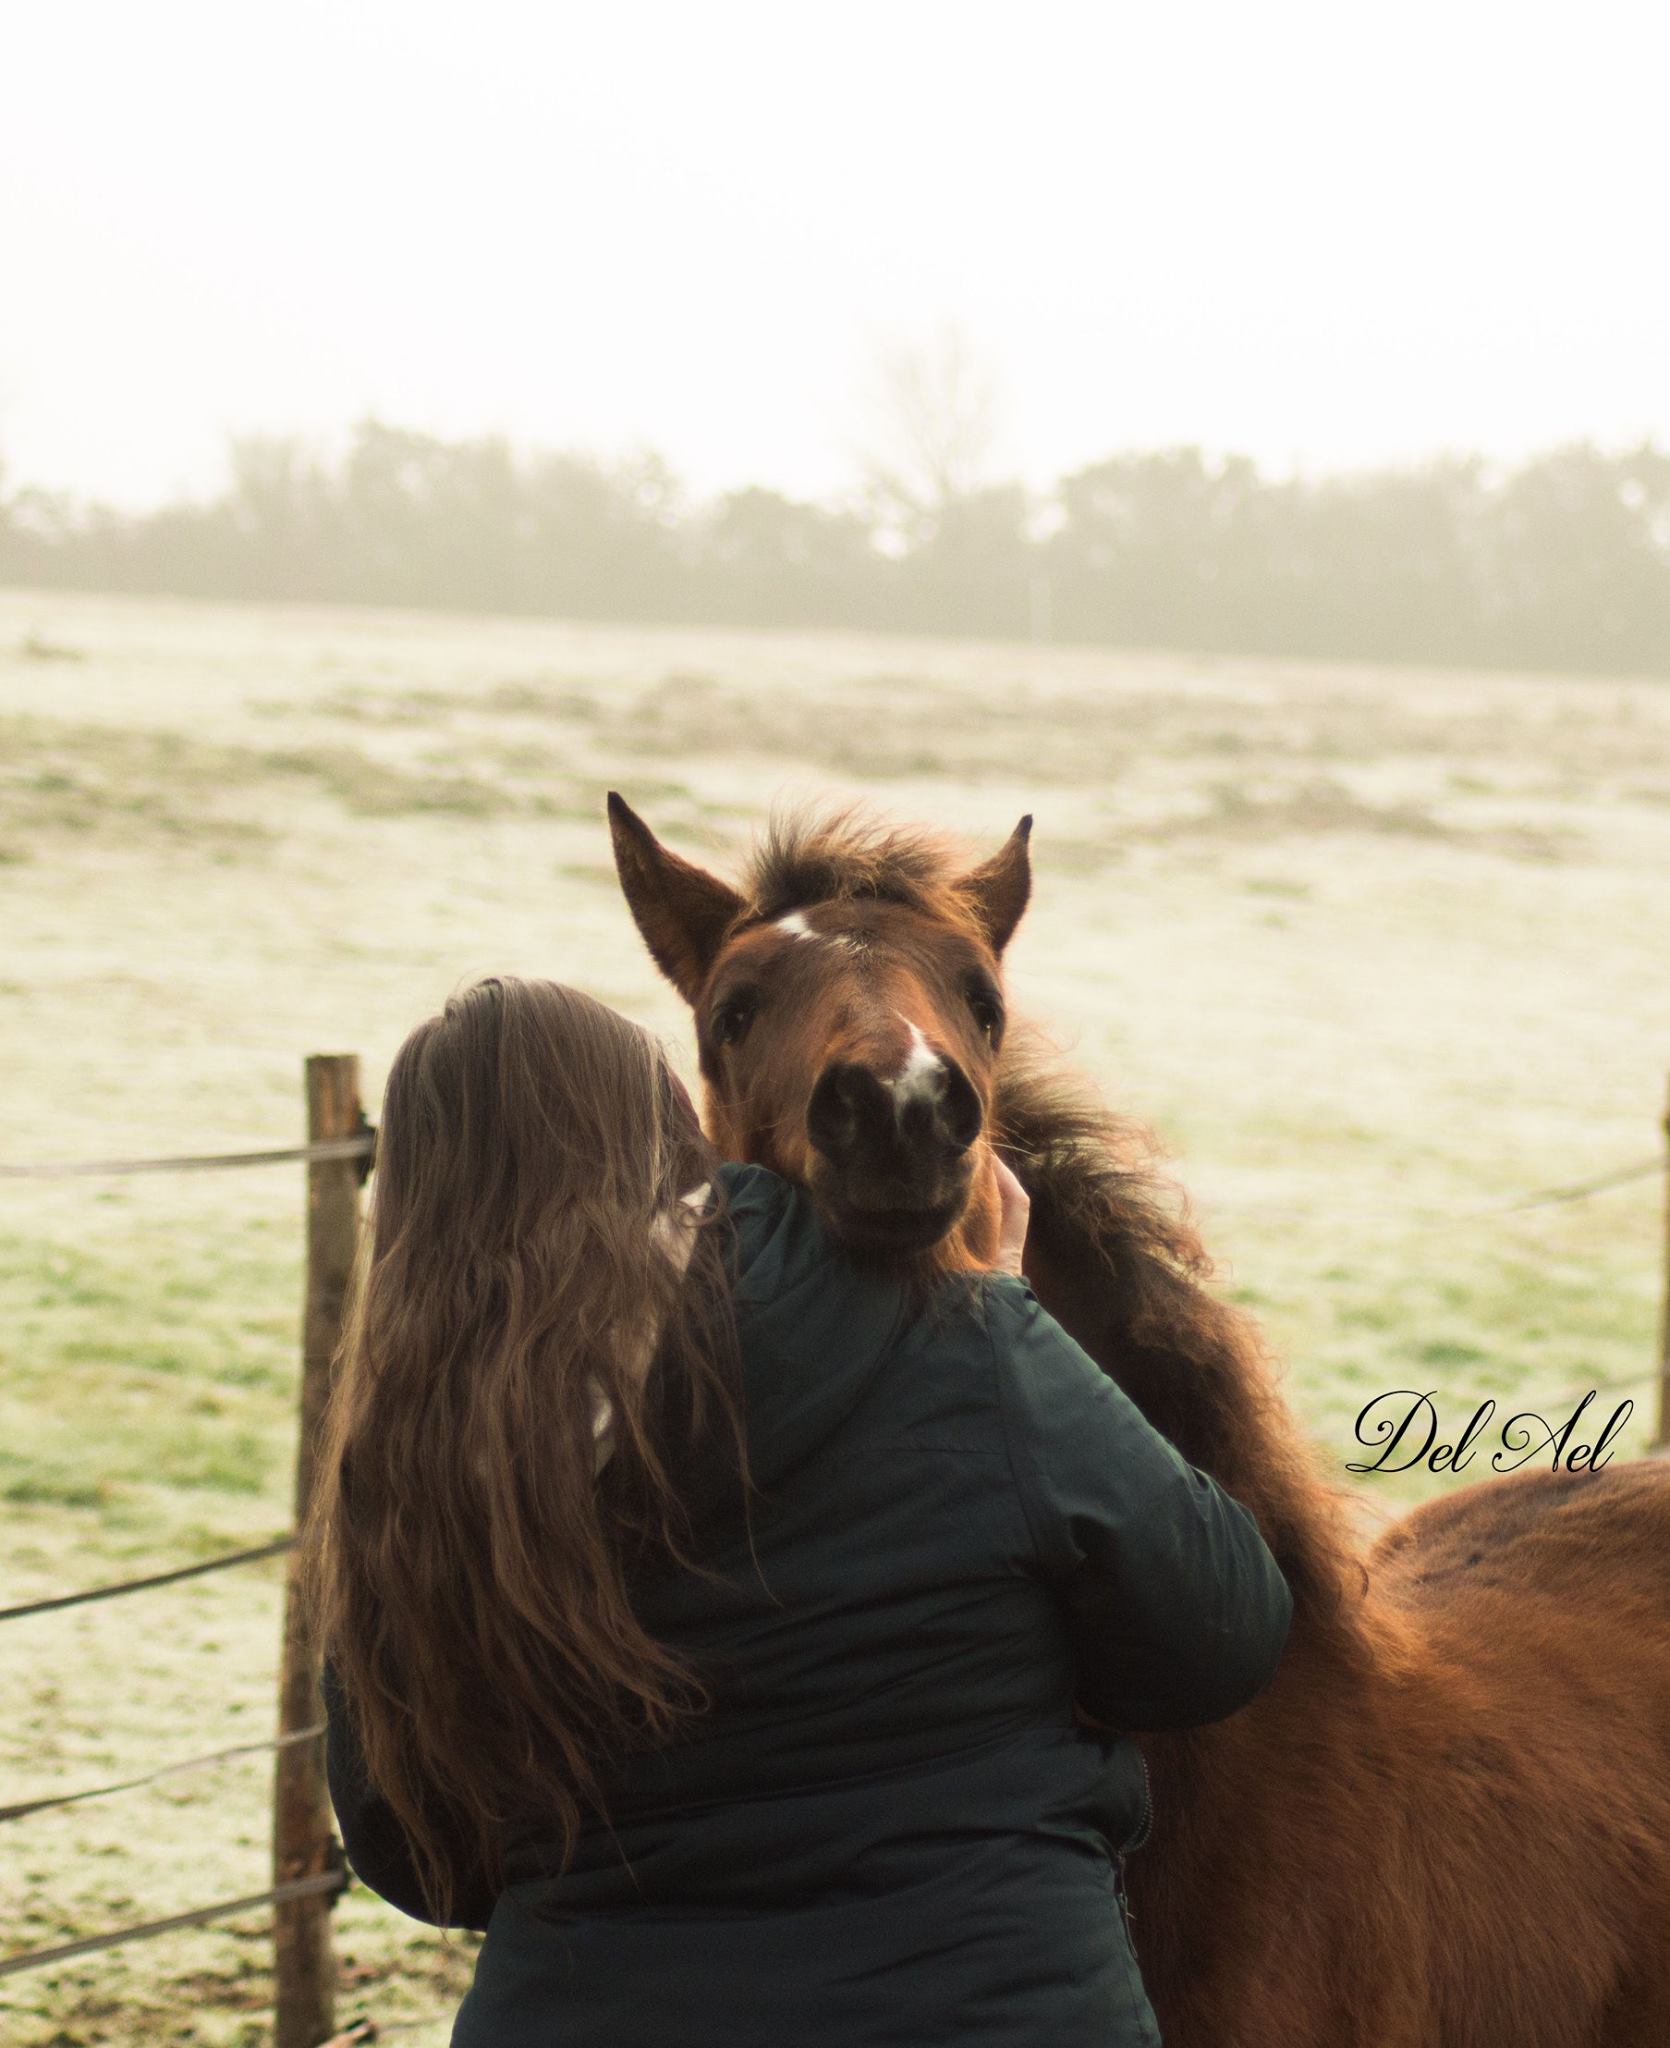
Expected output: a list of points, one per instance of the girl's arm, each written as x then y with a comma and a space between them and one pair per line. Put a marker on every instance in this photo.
1177, 1611
378, 1850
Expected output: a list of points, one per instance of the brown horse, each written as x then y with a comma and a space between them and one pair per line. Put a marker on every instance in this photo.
1447, 1823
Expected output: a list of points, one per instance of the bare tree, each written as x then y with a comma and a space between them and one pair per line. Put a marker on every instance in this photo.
931, 411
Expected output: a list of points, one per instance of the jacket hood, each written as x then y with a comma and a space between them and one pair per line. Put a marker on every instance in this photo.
814, 1326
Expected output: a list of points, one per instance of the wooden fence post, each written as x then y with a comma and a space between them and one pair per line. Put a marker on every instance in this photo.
1661, 1436
304, 1961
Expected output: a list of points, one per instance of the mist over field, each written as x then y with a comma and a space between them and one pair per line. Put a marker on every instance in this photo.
1373, 950
1562, 562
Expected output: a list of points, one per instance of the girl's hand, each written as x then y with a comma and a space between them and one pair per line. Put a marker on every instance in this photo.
1016, 1208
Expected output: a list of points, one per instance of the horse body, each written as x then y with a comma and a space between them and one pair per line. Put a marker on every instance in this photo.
1447, 1822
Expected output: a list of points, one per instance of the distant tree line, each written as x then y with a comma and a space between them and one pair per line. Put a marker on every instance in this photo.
1563, 563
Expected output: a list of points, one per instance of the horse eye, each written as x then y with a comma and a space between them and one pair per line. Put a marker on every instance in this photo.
732, 1019
986, 1011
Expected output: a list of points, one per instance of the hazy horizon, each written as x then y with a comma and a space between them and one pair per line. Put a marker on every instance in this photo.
1294, 237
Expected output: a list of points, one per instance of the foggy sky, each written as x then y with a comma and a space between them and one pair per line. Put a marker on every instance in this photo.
1325, 235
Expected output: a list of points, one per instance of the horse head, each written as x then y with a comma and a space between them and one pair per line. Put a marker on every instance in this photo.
849, 1009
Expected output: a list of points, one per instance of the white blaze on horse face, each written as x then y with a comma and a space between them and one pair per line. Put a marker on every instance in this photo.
796, 927
922, 1077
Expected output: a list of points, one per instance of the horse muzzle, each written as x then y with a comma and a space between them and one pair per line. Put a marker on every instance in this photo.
893, 1163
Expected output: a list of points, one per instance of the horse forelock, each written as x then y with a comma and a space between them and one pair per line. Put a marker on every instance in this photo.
805, 858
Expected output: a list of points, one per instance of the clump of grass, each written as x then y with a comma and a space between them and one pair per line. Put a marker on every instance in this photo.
378, 707
1318, 805
132, 1364
53, 1486
34, 647
373, 789
117, 786
543, 700
201, 1459
1446, 1351
120, 788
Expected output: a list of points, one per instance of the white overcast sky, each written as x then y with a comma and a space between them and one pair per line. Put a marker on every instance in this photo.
1326, 233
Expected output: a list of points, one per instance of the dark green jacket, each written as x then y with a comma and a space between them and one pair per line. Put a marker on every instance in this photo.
890, 1827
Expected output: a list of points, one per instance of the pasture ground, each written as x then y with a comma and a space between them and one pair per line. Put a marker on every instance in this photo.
1371, 949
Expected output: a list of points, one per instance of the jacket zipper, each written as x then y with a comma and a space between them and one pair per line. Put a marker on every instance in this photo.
1145, 1827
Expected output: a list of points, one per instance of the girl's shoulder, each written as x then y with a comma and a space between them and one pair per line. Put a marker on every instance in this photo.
804, 1292
815, 1329
769, 1225
779, 1248
752, 1194
781, 1251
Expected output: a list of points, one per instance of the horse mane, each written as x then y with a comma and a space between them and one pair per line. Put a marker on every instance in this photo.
1120, 1263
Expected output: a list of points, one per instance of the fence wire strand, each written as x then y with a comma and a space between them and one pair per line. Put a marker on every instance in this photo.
191, 1763
275, 1548
363, 1146
359, 1147
223, 1909
1440, 1219
1577, 1191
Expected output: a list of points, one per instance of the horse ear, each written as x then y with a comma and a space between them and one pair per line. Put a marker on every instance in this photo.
681, 909
998, 889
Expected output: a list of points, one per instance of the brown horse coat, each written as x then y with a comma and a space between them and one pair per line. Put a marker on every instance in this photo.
1447, 1822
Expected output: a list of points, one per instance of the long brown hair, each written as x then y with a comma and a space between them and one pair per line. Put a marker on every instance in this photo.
468, 1565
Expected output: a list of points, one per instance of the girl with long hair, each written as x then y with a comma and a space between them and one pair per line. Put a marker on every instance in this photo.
742, 1640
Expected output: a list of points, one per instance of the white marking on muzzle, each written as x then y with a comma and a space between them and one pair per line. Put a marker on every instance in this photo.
922, 1077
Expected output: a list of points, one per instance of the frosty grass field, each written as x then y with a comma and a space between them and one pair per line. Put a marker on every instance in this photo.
1372, 949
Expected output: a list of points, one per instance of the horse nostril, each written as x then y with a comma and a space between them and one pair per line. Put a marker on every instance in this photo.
854, 1117
960, 1115
833, 1113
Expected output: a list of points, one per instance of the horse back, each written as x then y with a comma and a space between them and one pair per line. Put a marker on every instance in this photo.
1562, 1535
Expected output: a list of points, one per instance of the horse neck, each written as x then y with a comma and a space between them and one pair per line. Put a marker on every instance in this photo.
1123, 1276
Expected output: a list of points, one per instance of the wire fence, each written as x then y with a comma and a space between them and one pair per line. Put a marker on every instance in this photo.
327, 1884
190, 1763
361, 1147
364, 1147
275, 1548
314, 1885
1405, 1219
